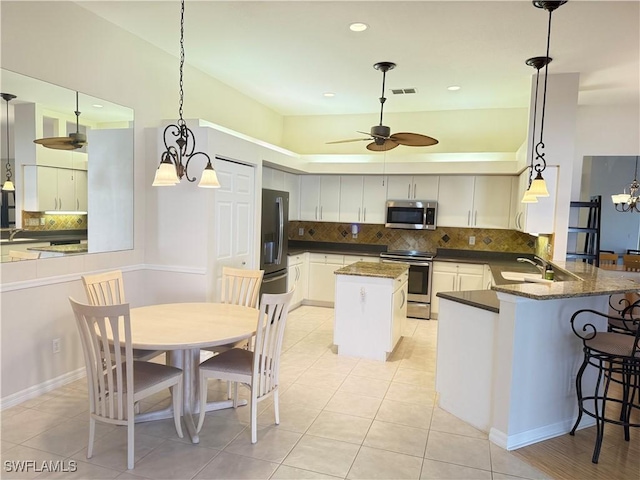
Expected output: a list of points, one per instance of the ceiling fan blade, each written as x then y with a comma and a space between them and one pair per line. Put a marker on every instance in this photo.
413, 139
72, 142
350, 140
387, 145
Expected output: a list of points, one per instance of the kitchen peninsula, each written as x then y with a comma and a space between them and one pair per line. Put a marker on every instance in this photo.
507, 365
370, 308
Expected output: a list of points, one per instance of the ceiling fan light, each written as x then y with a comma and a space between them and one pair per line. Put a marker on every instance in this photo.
528, 197
539, 187
8, 186
209, 178
166, 175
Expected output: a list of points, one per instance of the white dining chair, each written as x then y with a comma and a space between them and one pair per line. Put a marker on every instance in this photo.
108, 289
257, 370
116, 381
17, 255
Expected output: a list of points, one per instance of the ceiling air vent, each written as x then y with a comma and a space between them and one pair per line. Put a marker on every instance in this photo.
402, 91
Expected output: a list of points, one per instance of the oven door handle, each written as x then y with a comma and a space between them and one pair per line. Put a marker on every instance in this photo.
407, 262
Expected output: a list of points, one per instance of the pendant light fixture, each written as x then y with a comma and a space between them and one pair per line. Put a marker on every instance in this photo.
180, 143
537, 63
538, 186
8, 185
628, 202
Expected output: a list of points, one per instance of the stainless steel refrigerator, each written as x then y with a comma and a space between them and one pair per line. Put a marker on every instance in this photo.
274, 241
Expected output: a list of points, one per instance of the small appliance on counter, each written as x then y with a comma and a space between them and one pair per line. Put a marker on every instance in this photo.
274, 240
416, 215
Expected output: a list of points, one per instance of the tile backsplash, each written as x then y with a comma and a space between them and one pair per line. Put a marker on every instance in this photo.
485, 239
39, 221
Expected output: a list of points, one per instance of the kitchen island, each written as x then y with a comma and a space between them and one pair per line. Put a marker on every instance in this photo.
511, 372
370, 308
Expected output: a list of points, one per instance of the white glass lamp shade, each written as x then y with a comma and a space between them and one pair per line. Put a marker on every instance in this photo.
621, 198
166, 175
209, 178
529, 198
539, 187
8, 186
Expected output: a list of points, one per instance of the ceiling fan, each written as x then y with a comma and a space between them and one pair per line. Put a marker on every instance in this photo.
380, 135
72, 142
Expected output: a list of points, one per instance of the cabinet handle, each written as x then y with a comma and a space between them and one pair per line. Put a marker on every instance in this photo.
320, 212
409, 191
404, 297
358, 213
469, 217
415, 190
364, 215
316, 214
60, 207
475, 218
77, 204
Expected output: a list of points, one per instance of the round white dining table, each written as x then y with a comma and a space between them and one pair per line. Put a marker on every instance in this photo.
183, 329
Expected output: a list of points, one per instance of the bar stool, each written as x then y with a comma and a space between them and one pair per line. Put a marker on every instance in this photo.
616, 356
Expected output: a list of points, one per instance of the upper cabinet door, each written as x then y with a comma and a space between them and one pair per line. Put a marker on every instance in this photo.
329, 198
373, 199
455, 201
351, 190
310, 197
425, 187
292, 185
491, 202
400, 187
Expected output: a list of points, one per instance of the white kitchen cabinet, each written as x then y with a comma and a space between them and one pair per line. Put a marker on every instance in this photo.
370, 313
292, 185
321, 277
480, 201
362, 199
54, 189
455, 277
416, 187
298, 277
535, 218
320, 198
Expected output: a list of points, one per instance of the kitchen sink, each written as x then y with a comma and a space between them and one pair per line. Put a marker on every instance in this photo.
538, 277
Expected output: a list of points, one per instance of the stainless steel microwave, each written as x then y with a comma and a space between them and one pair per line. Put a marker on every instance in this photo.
418, 215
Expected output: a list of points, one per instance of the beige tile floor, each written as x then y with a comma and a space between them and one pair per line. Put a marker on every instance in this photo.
340, 418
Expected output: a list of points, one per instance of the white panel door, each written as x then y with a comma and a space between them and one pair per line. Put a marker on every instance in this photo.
400, 187
292, 185
491, 202
329, 198
351, 198
455, 201
233, 223
374, 196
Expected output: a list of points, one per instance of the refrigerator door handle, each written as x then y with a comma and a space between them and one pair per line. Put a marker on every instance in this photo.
273, 279
280, 204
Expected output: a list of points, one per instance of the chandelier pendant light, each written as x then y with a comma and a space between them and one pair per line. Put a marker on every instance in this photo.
8, 185
180, 143
538, 186
628, 202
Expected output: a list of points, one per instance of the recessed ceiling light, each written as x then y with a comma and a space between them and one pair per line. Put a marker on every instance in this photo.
358, 27
329, 94
453, 88
96, 105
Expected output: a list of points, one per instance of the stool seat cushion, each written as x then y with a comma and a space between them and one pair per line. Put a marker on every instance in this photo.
615, 344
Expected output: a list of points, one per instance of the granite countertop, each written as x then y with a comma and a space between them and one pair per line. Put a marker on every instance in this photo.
592, 281
360, 249
370, 269
67, 249
483, 299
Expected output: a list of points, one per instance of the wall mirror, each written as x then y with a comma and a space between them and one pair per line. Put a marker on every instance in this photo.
66, 202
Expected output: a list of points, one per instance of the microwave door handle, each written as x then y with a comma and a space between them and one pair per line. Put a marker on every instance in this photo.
280, 204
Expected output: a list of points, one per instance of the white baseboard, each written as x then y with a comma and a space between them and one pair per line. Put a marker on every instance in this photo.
37, 390
519, 440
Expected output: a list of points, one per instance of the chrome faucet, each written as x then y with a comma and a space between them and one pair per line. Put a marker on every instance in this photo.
13, 232
541, 266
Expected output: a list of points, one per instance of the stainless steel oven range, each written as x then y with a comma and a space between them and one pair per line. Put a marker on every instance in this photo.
419, 298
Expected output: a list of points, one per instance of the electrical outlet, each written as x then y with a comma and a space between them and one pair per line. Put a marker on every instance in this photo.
56, 345
472, 240
300, 231
42, 221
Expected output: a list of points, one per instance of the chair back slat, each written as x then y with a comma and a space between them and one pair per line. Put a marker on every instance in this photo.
608, 259
631, 263
274, 309
241, 287
109, 373
104, 288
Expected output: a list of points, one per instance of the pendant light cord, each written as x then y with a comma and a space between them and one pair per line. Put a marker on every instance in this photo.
382, 98
535, 116
181, 120
9, 175
541, 164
